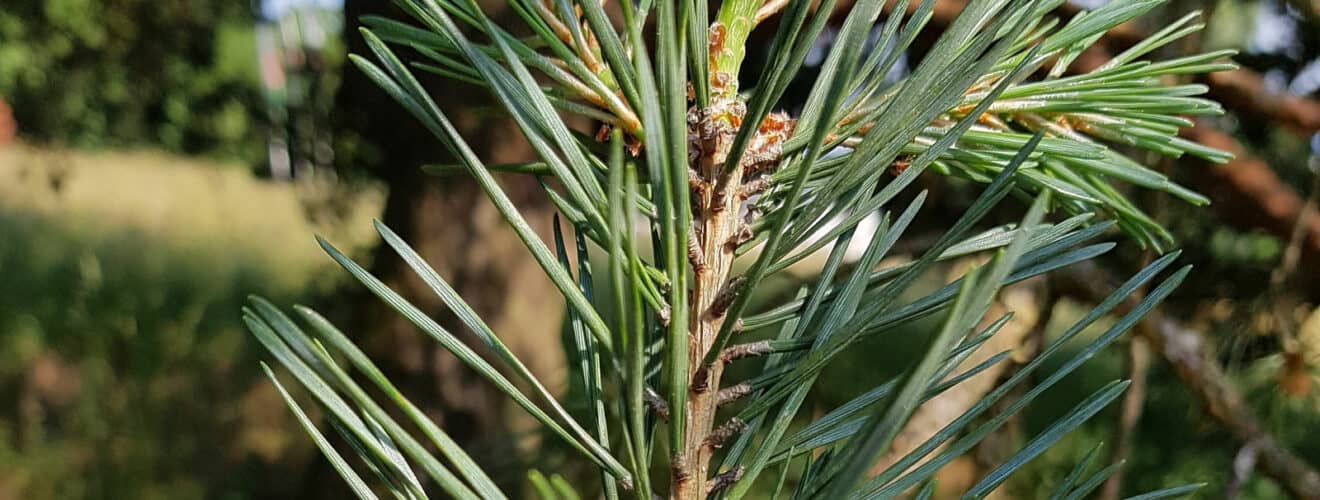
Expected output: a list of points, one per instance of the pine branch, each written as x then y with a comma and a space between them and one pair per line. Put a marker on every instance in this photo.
713, 171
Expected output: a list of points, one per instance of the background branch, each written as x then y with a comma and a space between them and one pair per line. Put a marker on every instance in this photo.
1183, 348
1134, 401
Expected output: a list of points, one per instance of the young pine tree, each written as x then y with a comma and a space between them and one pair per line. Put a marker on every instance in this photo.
696, 189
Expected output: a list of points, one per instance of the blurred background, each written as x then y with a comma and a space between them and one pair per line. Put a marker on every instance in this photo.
162, 159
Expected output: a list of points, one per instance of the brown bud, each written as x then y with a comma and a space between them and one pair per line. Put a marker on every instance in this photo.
732, 393
752, 349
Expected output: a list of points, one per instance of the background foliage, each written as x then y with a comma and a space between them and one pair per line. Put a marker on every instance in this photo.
178, 74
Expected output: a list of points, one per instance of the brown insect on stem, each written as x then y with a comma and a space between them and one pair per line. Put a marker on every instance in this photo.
721, 434
743, 235
753, 213
755, 187
694, 254
656, 404
724, 299
724, 480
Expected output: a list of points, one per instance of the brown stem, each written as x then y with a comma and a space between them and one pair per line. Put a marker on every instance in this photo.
1292, 253
718, 226
716, 220
712, 289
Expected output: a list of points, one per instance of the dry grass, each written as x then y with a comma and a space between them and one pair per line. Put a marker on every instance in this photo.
190, 204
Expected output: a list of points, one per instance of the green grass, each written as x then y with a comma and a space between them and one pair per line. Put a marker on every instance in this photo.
120, 347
